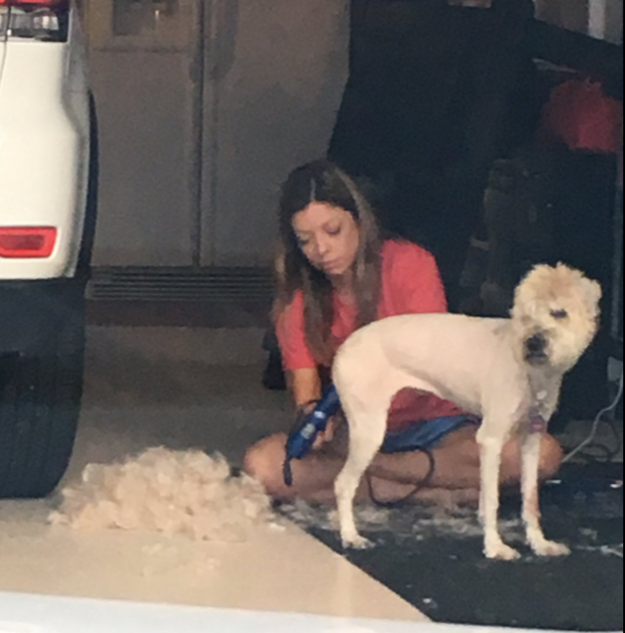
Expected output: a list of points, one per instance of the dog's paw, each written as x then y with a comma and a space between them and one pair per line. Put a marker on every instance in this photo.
357, 542
501, 551
549, 548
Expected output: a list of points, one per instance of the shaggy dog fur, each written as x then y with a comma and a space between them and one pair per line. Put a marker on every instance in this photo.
166, 491
507, 371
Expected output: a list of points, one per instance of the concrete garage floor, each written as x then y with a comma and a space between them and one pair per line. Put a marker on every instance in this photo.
181, 388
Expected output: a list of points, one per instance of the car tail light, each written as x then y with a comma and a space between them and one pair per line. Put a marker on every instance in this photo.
27, 242
45, 20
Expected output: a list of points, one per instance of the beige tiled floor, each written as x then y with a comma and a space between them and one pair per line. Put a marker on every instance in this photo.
180, 388
273, 571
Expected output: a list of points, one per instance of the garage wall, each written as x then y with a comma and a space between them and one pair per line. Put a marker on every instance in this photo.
271, 100
141, 62
204, 107
571, 14
605, 17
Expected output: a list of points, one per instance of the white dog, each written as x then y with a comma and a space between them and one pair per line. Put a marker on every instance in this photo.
507, 371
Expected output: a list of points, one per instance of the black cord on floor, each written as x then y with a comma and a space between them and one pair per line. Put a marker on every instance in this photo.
590, 442
603, 453
392, 505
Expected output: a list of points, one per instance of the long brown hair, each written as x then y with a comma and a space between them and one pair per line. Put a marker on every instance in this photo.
323, 181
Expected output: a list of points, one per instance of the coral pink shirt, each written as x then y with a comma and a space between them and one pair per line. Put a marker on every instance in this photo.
411, 284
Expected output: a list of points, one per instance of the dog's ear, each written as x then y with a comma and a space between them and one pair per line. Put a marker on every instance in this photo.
593, 291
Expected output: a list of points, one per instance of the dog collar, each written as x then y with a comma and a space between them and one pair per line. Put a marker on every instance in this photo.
537, 423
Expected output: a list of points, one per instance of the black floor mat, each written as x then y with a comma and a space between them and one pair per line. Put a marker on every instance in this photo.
435, 561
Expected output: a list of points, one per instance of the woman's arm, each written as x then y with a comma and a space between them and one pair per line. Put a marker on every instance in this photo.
303, 378
305, 386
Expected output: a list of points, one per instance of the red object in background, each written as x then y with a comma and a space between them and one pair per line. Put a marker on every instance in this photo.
582, 117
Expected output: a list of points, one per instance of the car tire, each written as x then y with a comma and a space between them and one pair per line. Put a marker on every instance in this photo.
40, 398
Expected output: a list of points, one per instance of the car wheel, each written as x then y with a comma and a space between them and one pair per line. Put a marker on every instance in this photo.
40, 396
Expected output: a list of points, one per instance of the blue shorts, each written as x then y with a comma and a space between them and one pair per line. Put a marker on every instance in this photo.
425, 435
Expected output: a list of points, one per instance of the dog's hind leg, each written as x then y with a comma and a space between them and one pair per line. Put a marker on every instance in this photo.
491, 450
366, 435
531, 506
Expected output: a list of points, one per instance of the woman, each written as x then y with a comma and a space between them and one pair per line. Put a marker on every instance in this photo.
336, 274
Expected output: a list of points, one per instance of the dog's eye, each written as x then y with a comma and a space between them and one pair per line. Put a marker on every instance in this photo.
559, 315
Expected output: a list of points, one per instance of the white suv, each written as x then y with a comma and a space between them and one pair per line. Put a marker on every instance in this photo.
47, 220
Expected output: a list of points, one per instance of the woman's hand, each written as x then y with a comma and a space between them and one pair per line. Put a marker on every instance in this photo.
306, 387
325, 437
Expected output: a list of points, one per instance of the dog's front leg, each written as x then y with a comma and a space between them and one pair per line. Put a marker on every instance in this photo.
491, 450
531, 505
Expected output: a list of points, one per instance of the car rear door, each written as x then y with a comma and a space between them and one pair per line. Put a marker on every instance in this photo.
43, 142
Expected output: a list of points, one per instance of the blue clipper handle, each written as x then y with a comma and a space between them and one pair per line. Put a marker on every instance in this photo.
304, 435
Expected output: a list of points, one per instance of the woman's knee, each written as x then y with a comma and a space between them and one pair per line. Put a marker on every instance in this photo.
264, 461
551, 455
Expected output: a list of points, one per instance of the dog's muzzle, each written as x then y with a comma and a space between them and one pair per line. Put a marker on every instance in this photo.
536, 350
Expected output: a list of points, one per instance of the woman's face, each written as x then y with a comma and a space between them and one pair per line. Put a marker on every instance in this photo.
328, 236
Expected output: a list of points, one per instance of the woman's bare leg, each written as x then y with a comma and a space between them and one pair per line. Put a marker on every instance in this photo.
456, 479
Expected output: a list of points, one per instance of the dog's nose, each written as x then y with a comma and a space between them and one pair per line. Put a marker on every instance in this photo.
536, 344
536, 347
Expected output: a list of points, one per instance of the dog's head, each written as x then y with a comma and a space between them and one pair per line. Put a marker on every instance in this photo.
555, 316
